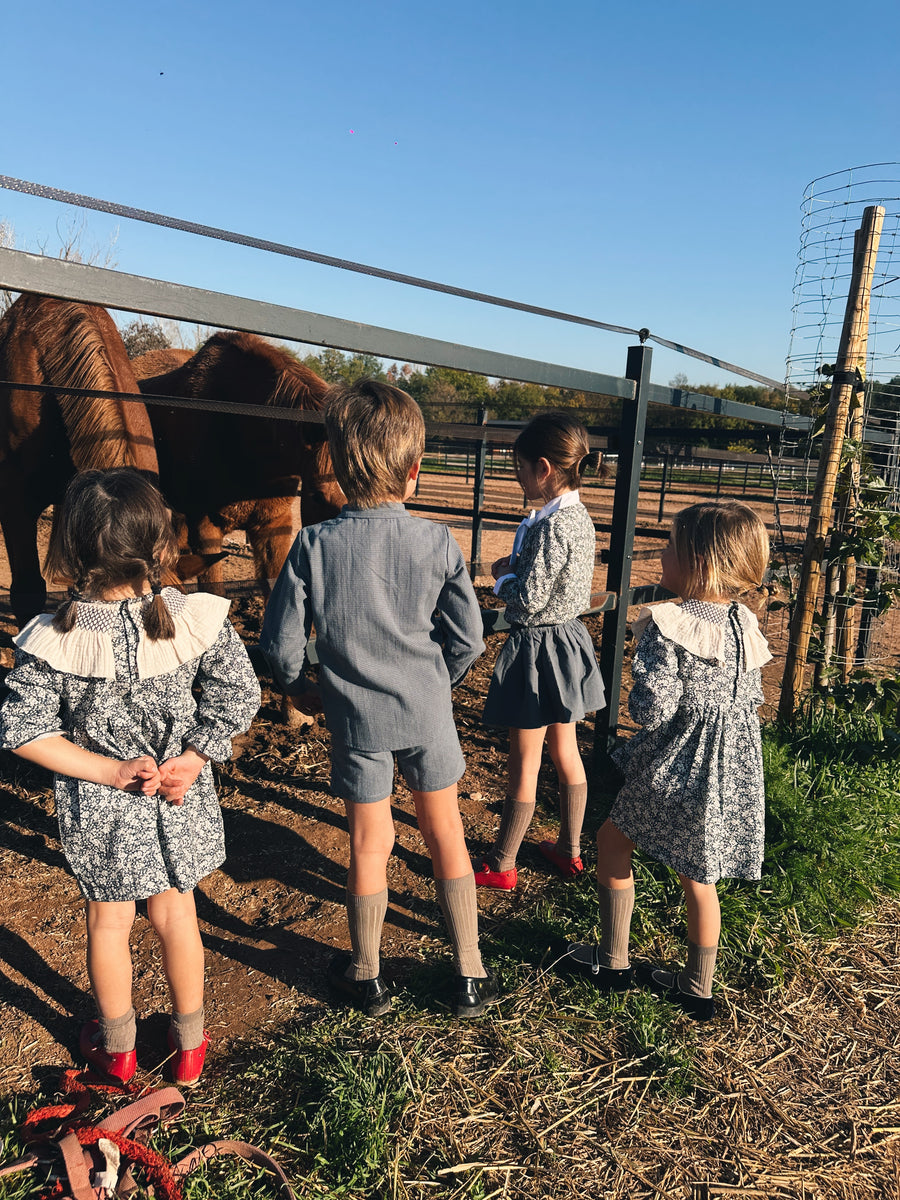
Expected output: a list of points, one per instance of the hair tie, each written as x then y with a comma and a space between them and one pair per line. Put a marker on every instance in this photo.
75, 595
156, 588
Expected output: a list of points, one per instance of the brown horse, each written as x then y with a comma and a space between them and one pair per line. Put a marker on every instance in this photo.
45, 437
223, 471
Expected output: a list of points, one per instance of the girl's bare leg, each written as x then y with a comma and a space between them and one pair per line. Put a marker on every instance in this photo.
616, 894
109, 955
173, 916
704, 920
704, 917
562, 743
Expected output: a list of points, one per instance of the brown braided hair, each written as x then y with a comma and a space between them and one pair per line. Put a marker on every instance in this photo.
113, 528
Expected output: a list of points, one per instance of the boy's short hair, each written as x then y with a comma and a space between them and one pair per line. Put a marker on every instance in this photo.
376, 434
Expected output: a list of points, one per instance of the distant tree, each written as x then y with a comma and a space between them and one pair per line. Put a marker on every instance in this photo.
335, 367
141, 336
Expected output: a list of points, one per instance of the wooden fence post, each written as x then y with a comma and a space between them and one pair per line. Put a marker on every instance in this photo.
842, 388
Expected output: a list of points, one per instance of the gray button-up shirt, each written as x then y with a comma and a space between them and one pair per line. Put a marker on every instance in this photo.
396, 619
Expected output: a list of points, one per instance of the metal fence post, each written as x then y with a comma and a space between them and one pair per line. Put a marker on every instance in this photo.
621, 547
478, 496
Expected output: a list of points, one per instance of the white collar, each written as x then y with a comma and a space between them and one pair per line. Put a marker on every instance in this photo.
701, 636
554, 505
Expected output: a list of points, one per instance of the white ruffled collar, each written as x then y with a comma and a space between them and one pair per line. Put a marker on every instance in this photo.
688, 626
87, 649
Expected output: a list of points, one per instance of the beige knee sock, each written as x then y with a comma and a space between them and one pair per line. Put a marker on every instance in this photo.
514, 824
187, 1029
572, 803
616, 906
458, 903
118, 1034
697, 976
365, 916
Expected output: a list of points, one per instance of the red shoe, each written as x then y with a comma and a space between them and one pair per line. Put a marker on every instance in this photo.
120, 1067
568, 867
504, 881
187, 1065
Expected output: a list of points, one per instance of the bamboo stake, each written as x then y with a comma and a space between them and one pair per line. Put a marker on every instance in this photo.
842, 389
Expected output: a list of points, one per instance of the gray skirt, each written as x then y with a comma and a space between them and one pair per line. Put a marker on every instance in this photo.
545, 675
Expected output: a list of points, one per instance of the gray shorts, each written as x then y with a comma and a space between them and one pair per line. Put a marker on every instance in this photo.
366, 776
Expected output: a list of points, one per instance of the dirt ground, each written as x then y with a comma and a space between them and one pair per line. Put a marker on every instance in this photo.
272, 916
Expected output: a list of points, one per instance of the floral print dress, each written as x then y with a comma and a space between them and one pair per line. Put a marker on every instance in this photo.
693, 797
109, 688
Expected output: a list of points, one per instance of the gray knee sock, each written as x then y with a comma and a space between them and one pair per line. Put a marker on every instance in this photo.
187, 1029
697, 976
118, 1034
458, 903
572, 803
365, 916
616, 907
514, 824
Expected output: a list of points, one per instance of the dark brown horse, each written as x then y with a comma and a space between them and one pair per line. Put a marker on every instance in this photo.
223, 472
45, 437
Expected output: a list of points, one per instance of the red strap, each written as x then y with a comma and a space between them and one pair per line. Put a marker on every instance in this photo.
243, 1150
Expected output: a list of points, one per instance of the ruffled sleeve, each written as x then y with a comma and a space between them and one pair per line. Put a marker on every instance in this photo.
31, 709
657, 688
229, 696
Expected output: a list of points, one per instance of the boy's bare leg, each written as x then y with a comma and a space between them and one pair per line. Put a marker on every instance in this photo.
442, 829
371, 842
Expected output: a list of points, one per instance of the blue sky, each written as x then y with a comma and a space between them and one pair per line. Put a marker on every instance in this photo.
639, 164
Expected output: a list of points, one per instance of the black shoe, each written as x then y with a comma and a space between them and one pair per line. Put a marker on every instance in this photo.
371, 996
472, 994
582, 958
664, 984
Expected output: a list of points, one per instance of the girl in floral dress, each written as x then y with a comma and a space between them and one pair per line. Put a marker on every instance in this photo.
693, 796
546, 677
103, 694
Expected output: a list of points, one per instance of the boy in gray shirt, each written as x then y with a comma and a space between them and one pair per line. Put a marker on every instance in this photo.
397, 626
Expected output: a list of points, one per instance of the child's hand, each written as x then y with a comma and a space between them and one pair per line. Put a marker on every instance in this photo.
500, 567
137, 775
178, 774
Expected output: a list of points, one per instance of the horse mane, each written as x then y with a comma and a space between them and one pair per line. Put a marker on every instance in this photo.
242, 367
158, 362
80, 347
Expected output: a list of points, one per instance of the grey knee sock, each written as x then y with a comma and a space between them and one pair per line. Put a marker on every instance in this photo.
365, 916
187, 1029
572, 803
514, 824
697, 976
616, 907
118, 1034
458, 903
